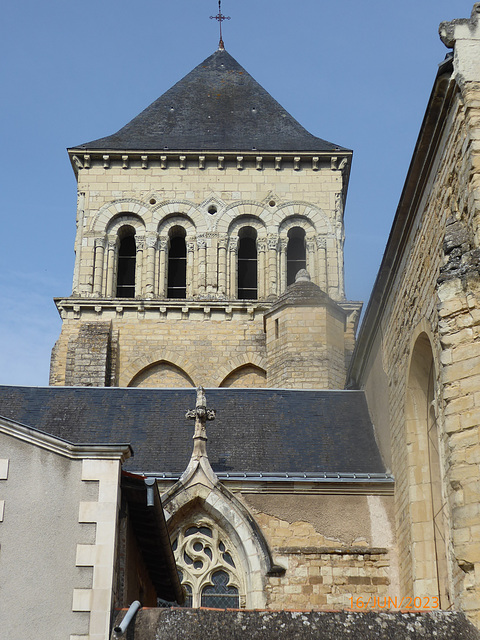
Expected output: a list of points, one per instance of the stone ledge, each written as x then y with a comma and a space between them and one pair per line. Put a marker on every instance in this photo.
357, 551
197, 624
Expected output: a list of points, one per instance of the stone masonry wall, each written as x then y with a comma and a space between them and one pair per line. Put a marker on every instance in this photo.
447, 315
211, 203
327, 547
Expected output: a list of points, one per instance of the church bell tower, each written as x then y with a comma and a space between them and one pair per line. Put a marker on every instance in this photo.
193, 221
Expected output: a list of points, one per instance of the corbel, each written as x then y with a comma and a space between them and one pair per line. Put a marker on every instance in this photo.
144, 160
124, 162
98, 309
183, 162
106, 161
163, 162
185, 311
278, 163
315, 166
201, 162
206, 313
86, 160
240, 163
296, 163
78, 162
220, 161
259, 163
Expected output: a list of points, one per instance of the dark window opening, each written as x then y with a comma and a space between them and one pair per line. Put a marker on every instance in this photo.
220, 595
177, 267
247, 265
296, 255
127, 257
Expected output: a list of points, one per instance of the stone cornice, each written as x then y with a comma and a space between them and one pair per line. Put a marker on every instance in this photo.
336, 160
75, 306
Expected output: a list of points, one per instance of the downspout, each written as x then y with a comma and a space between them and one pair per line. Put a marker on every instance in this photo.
119, 630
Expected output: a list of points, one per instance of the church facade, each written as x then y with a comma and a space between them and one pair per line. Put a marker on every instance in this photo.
322, 474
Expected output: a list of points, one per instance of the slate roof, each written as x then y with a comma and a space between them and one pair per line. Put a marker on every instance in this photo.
256, 430
216, 107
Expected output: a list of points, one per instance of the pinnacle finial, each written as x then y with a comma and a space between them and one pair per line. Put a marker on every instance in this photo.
220, 17
200, 414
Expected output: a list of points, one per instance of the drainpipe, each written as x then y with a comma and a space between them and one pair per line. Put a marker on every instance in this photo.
119, 631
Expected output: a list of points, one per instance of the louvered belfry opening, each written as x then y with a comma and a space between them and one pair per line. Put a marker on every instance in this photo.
127, 257
296, 254
247, 264
177, 264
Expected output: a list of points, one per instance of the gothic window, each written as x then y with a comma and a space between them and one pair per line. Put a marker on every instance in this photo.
296, 255
177, 264
247, 264
127, 257
208, 567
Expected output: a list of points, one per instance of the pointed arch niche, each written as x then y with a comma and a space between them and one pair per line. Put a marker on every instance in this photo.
427, 504
161, 375
219, 549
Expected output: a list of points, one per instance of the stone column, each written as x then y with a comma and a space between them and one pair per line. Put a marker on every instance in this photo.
222, 265
233, 250
190, 268
272, 265
202, 264
139, 275
162, 266
282, 278
211, 266
112, 242
98, 270
261, 268
322, 273
78, 242
311, 266
151, 243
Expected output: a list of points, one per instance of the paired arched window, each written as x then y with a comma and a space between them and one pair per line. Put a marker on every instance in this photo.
296, 254
177, 264
127, 257
247, 264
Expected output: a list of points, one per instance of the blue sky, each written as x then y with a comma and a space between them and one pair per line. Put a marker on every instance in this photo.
355, 73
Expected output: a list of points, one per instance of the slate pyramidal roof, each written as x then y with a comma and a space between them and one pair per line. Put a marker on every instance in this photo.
216, 107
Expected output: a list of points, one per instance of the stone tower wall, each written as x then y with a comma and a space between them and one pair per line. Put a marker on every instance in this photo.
210, 337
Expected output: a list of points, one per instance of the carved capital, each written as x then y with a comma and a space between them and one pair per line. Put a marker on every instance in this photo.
190, 247
222, 242
261, 245
100, 243
321, 242
151, 242
272, 243
201, 243
140, 242
162, 244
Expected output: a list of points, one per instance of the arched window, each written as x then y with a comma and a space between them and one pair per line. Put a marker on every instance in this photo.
177, 264
207, 567
247, 264
296, 256
428, 507
220, 595
127, 257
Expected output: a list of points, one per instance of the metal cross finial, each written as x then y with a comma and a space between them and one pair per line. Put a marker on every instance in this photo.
220, 17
